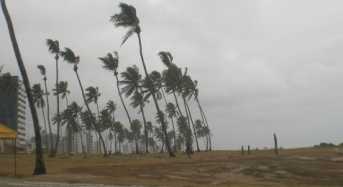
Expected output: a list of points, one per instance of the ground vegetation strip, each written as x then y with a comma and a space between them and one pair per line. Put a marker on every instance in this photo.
292, 167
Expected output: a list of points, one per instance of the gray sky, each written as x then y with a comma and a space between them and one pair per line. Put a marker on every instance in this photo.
263, 67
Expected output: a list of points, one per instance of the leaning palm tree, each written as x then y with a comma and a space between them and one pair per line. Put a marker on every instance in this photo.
38, 98
39, 165
132, 82
54, 48
62, 89
171, 113
69, 56
204, 119
43, 72
111, 107
111, 64
127, 18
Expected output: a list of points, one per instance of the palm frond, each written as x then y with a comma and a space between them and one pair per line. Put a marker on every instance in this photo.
42, 69
53, 46
166, 58
69, 56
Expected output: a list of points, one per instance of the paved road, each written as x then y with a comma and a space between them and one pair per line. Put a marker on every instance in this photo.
22, 183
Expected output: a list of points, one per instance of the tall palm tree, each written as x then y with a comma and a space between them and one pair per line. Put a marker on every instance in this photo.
127, 18
62, 89
204, 119
86, 120
132, 82
169, 78
69, 56
111, 107
54, 48
38, 98
39, 165
110, 63
92, 95
43, 72
171, 113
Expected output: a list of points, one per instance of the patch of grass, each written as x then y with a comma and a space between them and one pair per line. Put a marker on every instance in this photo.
293, 167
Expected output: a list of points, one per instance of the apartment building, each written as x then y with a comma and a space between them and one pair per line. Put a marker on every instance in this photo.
13, 110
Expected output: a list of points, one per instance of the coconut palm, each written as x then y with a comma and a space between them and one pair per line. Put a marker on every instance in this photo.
54, 48
132, 85
111, 64
138, 100
69, 56
43, 72
39, 165
62, 89
111, 107
127, 18
119, 129
203, 116
171, 113
87, 124
38, 98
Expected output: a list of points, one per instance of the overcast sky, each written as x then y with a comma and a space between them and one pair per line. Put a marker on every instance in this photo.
263, 67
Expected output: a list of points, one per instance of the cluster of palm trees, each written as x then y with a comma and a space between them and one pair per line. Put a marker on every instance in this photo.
133, 85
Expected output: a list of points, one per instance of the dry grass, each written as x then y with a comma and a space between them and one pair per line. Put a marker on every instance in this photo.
293, 167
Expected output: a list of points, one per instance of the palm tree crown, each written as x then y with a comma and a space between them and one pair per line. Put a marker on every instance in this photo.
126, 18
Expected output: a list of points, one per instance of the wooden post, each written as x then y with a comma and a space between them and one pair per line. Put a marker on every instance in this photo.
242, 150
275, 142
248, 149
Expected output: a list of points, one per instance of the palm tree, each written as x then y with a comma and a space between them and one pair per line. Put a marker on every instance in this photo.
39, 165
111, 64
203, 116
86, 120
62, 88
70, 57
127, 18
171, 113
111, 107
93, 95
132, 80
43, 72
38, 98
54, 48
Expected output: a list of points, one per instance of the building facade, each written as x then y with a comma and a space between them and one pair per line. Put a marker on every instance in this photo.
13, 109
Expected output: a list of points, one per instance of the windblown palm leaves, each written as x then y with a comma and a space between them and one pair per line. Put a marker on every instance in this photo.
127, 18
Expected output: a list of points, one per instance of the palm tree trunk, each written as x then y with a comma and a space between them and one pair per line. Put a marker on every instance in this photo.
202, 117
39, 167
93, 120
145, 130
174, 134
48, 114
209, 136
171, 154
122, 101
58, 111
46, 134
195, 134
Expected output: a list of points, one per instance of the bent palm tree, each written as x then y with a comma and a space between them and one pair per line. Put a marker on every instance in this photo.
39, 166
111, 64
127, 18
70, 57
54, 48
37, 96
43, 72
62, 88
